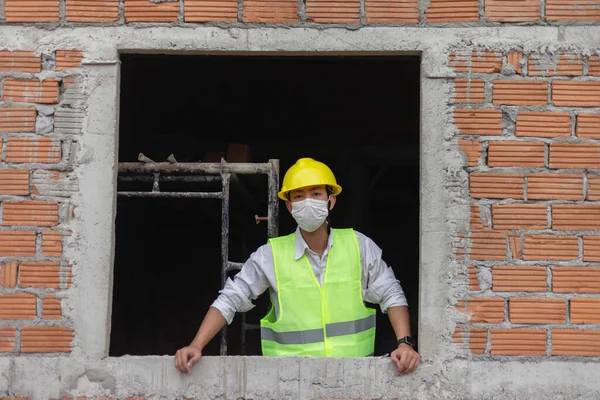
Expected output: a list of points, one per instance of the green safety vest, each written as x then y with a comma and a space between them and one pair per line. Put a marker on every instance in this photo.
330, 321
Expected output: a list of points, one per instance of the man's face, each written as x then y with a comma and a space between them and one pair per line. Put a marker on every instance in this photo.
318, 192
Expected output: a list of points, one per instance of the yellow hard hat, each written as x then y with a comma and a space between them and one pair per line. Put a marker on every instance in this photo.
308, 172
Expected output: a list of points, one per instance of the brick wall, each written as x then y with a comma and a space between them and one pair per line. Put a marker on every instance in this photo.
529, 128
38, 130
435, 12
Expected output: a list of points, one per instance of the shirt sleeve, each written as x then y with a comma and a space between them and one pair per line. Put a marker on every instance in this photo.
380, 285
246, 285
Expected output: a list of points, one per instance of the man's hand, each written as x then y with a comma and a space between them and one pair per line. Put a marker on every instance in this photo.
406, 359
186, 357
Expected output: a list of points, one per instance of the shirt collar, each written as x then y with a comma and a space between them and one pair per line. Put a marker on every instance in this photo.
301, 246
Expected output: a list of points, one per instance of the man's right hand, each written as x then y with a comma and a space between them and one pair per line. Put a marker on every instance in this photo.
186, 357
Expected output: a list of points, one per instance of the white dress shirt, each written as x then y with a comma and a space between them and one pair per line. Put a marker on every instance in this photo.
379, 285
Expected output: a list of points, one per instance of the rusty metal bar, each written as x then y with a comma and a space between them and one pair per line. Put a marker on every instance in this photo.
273, 211
224, 248
205, 168
234, 266
188, 195
172, 178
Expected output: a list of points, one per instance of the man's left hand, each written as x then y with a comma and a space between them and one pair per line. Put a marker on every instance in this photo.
406, 359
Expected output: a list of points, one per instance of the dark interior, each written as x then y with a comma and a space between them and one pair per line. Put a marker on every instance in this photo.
358, 114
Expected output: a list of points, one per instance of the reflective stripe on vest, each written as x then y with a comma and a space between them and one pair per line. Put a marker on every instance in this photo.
316, 335
319, 321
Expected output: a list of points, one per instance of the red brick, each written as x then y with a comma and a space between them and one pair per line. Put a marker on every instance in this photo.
392, 11
516, 247
17, 119
54, 183
574, 217
543, 124
519, 216
51, 307
555, 65
46, 339
575, 155
147, 11
576, 93
585, 311
9, 274
594, 66
551, 247
92, 10
51, 244
473, 282
8, 338
496, 185
478, 121
518, 341
18, 306
333, 11
44, 274
270, 11
33, 150
576, 280
519, 279
208, 11
514, 59
31, 91
30, 213
532, 310
472, 149
507, 153
483, 61
20, 61
32, 10
67, 59
17, 243
469, 91
547, 186
588, 126
476, 221
14, 181
452, 11
512, 10
520, 92
474, 339
488, 244
572, 10
483, 309
591, 248
575, 342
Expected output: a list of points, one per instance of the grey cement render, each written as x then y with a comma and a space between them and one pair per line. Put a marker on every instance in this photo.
447, 371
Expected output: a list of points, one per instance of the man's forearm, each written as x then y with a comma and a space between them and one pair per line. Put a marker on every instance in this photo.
400, 321
212, 323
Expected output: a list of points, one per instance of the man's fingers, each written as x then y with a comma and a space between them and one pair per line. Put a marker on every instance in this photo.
194, 359
394, 357
178, 361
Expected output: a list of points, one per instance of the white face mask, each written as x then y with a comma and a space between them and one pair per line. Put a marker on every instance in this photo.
310, 213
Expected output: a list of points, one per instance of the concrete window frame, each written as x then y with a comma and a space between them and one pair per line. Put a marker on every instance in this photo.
98, 169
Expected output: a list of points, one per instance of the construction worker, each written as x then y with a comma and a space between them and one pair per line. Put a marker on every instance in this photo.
319, 280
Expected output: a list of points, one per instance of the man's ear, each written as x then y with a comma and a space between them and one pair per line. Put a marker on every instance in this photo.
332, 201
288, 205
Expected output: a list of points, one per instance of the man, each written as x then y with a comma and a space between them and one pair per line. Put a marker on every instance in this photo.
319, 279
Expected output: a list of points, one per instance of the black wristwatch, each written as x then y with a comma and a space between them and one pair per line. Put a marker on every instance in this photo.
408, 340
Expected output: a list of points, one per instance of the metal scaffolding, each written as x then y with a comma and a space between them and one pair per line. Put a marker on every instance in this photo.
156, 172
